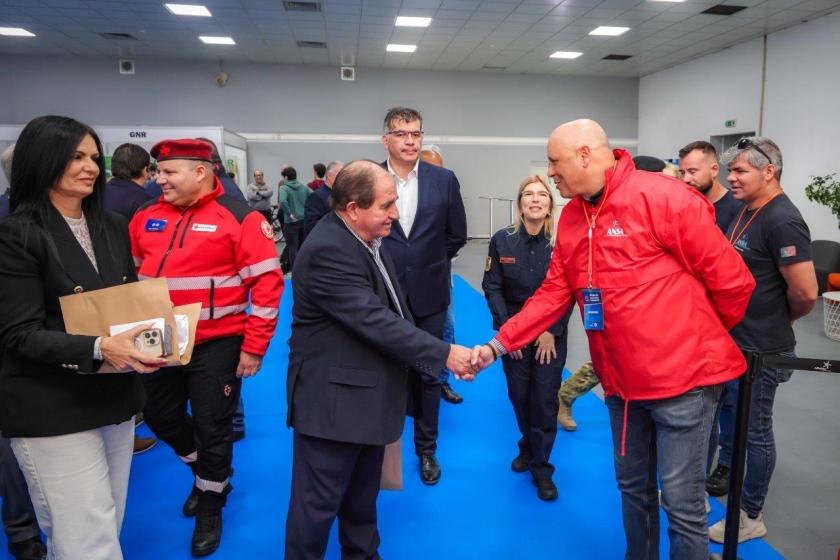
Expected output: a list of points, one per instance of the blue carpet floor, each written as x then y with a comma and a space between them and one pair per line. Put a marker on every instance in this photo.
480, 508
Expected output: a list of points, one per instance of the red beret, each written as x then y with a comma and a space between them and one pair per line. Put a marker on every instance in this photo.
185, 148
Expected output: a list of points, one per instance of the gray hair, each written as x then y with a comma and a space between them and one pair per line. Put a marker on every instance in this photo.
6, 162
754, 157
402, 114
332, 166
430, 148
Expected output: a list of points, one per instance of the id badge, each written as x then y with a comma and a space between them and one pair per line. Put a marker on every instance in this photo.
155, 225
593, 310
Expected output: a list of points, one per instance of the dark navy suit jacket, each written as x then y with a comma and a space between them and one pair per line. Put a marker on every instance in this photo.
439, 231
317, 206
124, 197
352, 359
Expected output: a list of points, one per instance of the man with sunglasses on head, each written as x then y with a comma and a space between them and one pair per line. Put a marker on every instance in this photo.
773, 239
432, 228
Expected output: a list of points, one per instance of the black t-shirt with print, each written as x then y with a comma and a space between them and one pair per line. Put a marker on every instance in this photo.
778, 236
726, 210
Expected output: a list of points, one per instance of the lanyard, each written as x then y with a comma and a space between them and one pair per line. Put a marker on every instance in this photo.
733, 238
591, 223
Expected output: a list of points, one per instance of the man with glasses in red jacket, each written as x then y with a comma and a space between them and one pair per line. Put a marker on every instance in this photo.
659, 287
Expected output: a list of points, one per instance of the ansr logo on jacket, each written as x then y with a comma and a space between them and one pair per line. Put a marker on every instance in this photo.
615, 230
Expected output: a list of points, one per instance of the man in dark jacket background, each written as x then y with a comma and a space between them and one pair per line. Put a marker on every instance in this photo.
125, 193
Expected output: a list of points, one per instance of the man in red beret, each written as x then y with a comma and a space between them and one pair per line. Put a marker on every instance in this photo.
214, 250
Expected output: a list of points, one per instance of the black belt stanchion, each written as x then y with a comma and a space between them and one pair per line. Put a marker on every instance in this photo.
739, 454
755, 361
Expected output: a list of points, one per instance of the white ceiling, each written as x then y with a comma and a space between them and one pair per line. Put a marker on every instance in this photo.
465, 35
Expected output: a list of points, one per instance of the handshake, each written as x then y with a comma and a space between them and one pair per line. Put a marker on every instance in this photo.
466, 363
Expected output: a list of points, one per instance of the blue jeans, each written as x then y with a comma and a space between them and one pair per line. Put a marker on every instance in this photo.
723, 428
761, 444
669, 437
448, 336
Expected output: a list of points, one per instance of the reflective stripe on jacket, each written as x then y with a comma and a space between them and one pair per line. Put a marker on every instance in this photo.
217, 252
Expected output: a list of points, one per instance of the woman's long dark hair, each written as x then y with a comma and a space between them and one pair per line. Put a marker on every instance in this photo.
42, 153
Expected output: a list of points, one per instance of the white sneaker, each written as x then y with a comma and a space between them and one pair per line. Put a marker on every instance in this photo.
748, 528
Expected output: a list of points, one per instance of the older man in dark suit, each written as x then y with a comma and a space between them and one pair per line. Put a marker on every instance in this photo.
354, 351
431, 229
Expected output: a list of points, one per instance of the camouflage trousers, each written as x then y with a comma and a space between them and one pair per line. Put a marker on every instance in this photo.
583, 380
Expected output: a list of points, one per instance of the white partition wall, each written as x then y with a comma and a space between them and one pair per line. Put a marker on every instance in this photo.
148, 136
692, 101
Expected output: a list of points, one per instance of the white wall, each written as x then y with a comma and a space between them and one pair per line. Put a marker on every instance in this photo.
300, 99
691, 102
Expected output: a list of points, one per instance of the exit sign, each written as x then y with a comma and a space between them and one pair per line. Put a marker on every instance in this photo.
730, 123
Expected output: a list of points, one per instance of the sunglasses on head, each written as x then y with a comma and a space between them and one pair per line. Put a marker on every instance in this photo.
746, 143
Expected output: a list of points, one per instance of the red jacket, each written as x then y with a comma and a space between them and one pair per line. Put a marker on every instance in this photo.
671, 284
217, 252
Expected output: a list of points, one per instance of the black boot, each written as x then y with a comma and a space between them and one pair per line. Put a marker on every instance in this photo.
191, 503
208, 523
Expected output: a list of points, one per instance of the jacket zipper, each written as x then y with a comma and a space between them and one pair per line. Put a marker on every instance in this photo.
171, 243
212, 293
184, 233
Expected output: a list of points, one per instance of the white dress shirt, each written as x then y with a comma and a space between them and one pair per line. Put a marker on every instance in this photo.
406, 196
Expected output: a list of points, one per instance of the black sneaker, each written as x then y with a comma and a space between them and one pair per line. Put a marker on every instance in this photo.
29, 549
718, 482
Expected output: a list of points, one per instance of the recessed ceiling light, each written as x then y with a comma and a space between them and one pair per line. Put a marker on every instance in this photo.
217, 40
406, 21
607, 30
15, 32
188, 10
566, 54
401, 48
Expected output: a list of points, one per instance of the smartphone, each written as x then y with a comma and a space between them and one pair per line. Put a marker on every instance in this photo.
150, 342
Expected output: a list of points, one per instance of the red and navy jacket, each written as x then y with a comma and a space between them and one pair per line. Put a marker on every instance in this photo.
217, 252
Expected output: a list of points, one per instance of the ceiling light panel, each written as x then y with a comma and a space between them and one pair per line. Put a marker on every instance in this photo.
189, 10
217, 40
401, 48
569, 55
407, 21
609, 31
15, 32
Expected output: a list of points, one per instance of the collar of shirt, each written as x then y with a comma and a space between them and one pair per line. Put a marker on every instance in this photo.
373, 246
528, 237
397, 177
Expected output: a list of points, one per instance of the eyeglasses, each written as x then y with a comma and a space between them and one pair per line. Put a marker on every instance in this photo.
403, 134
746, 143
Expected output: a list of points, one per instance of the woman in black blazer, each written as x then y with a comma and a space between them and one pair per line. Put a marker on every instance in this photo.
71, 428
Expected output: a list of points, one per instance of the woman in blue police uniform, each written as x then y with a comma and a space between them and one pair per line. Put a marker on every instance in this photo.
516, 266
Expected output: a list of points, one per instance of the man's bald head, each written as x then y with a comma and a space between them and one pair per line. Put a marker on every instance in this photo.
578, 156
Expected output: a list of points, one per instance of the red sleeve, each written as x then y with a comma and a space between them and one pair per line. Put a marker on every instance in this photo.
259, 268
548, 304
689, 231
134, 229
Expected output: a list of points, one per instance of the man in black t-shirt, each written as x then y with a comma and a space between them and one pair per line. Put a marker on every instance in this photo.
774, 241
699, 168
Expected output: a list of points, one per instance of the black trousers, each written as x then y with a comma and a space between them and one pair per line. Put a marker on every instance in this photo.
293, 233
532, 389
210, 385
426, 422
329, 479
19, 519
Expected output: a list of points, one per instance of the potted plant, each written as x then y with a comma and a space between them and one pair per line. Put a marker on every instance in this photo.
825, 190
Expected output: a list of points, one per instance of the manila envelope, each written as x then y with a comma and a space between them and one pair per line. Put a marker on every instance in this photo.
92, 313
392, 467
